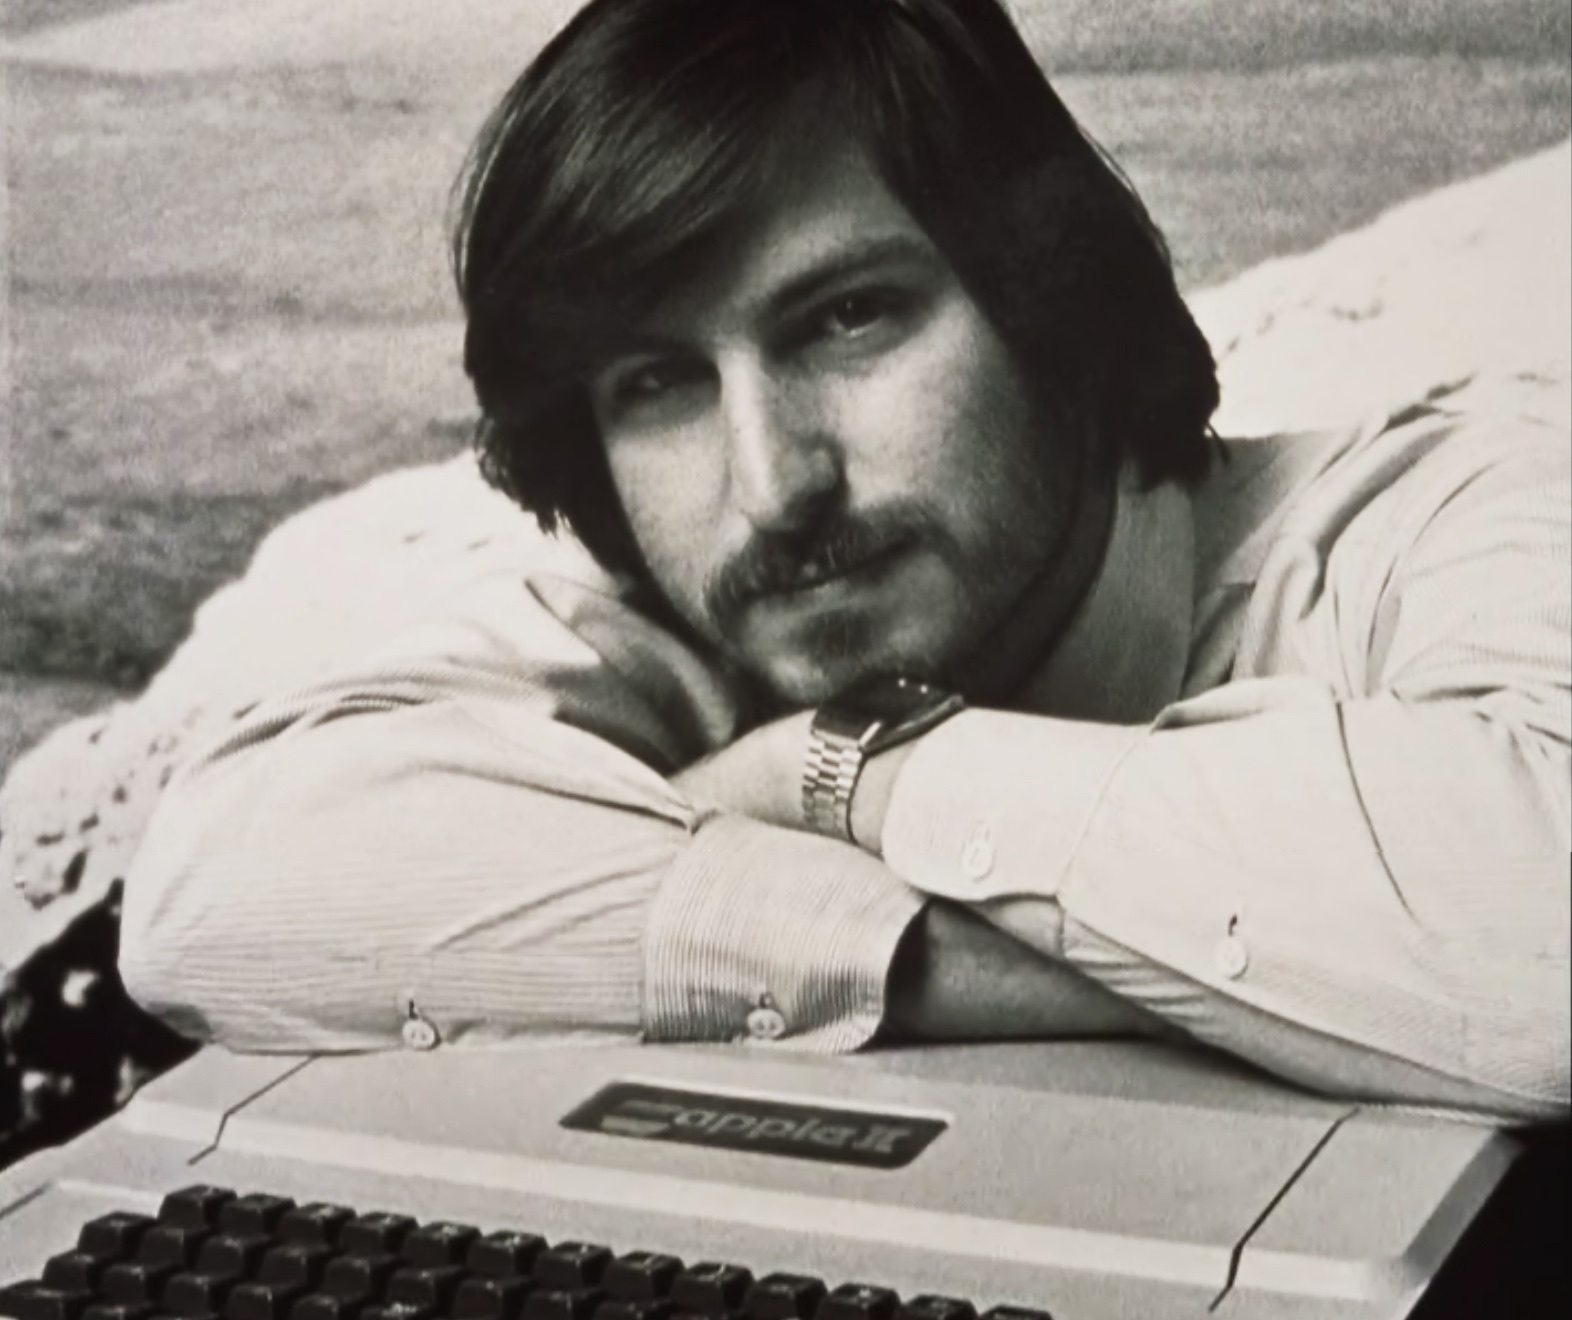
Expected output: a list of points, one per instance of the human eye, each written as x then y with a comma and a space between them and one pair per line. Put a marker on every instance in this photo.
857, 313
644, 384
648, 382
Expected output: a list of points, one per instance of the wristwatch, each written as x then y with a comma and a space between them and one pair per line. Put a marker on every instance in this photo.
870, 717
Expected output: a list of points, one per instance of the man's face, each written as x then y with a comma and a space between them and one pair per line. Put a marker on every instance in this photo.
829, 460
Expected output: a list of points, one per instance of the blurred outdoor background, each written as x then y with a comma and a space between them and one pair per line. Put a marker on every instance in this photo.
223, 247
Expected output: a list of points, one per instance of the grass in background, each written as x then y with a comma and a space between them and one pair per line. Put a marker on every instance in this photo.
1241, 35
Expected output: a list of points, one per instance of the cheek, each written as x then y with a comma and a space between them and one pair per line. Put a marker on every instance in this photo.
665, 502
964, 426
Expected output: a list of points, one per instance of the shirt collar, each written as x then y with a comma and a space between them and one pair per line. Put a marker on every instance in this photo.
1124, 655
1239, 511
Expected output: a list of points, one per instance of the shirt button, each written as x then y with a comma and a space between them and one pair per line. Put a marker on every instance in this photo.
978, 854
1232, 957
766, 1024
419, 1034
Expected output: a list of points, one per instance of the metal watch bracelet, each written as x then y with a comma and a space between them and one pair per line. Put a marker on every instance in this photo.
830, 771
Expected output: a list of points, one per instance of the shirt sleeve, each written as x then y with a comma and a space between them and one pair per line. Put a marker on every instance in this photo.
1350, 865
475, 829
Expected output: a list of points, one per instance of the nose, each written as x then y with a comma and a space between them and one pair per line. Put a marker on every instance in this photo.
784, 465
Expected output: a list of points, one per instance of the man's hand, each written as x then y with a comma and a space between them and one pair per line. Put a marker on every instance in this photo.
760, 775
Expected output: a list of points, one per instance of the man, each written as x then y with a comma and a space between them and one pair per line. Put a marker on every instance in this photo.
941, 674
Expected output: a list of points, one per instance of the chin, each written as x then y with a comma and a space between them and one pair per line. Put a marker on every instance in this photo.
820, 657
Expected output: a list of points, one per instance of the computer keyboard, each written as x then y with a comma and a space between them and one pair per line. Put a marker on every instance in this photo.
213, 1254
1086, 1180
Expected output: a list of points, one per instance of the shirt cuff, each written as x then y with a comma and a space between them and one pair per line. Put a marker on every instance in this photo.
766, 934
967, 822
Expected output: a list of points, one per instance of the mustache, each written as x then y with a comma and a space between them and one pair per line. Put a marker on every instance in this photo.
775, 562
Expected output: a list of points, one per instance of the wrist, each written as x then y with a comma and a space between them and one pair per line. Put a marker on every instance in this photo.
871, 797
850, 739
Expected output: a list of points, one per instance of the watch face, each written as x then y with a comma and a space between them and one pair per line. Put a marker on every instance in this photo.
885, 711
889, 699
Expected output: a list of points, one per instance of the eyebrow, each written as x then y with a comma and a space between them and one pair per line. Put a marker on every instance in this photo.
845, 265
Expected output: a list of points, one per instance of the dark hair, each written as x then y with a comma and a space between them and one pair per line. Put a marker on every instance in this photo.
648, 128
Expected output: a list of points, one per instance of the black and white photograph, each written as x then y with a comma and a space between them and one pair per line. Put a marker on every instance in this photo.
785, 659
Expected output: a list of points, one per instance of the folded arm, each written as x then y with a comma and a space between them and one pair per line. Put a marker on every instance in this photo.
1349, 866
478, 826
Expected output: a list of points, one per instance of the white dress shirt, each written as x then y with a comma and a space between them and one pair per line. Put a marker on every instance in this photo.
1296, 780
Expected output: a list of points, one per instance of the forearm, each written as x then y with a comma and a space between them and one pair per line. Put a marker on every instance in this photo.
498, 876
957, 977
1224, 875
309, 891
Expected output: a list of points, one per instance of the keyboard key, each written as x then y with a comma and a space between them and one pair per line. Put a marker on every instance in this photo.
196, 1295
711, 1288
35, 1300
262, 1301
858, 1301
360, 1276
783, 1297
294, 1265
434, 1245
377, 1234
572, 1265
74, 1271
505, 1253
641, 1276
194, 1207
136, 1282
1015, 1313
930, 1307
172, 1244
490, 1297
315, 1225
256, 1215
113, 1236
233, 1256
430, 1289
562, 1303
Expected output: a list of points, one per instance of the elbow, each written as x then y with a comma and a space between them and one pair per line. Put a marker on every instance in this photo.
1507, 1056
1524, 1102
1500, 1052
1513, 1016
1509, 1064
212, 944
1526, 1070
172, 922
155, 986
151, 962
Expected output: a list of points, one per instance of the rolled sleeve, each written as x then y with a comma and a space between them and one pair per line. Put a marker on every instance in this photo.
765, 934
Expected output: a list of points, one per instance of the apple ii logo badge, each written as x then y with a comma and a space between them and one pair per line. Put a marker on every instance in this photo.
770, 1127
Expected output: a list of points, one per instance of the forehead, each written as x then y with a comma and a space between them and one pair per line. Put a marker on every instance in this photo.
827, 214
